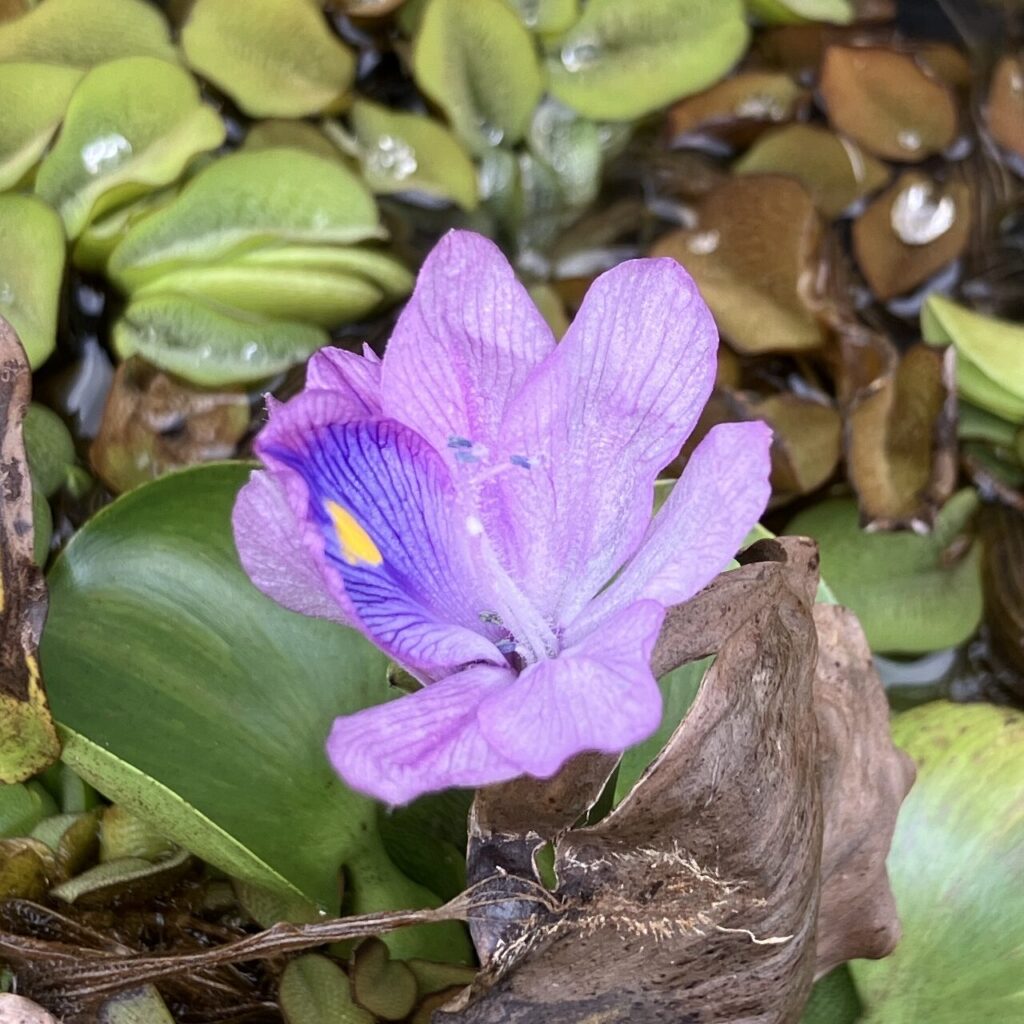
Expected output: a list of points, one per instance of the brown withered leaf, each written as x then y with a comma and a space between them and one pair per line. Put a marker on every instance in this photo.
888, 102
1004, 110
755, 256
910, 232
738, 108
900, 428
863, 780
154, 423
28, 739
699, 897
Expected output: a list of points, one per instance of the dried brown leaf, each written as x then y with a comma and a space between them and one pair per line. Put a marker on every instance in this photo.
1004, 110
900, 428
887, 102
755, 256
28, 739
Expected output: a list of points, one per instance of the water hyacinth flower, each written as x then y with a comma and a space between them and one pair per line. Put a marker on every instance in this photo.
478, 503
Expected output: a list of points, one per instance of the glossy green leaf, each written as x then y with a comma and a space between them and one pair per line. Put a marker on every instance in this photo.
787, 12
274, 58
477, 62
81, 33
412, 153
31, 267
990, 355
546, 17
49, 448
35, 97
956, 865
211, 345
911, 594
243, 201
132, 126
198, 703
622, 60
315, 990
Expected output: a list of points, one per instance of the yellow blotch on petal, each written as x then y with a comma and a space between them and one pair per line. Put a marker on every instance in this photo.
356, 546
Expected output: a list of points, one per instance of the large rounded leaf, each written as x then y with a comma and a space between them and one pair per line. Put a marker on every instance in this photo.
31, 266
132, 126
243, 201
160, 654
624, 59
35, 97
275, 58
477, 62
211, 345
956, 866
81, 33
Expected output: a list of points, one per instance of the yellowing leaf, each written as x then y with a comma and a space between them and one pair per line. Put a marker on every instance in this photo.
243, 201
475, 60
132, 126
624, 59
35, 97
81, 33
275, 58
411, 153
31, 267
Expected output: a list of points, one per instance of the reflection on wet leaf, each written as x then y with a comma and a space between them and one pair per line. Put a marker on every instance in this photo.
1004, 111
990, 355
28, 740
900, 416
912, 593
31, 268
956, 862
412, 153
35, 97
754, 254
622, 60
243, 201
132, 126
82, 33
834, 170
740, 106
212, 346
154, 423
477, 62
275, 58
887, 102
910, 232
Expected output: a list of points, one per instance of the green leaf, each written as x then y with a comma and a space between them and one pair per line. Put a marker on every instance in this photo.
547, 17
788, 12
956, 864
49, 448
315, 990
275, 58
909, 594
571, 147
411, 153
132, 126
211, 345
81, 33
990, 355
94, 245
477, 62
32, 250
22, 807
622, 60
197, 702
834, 999
243, 201
35, 98
142, 1005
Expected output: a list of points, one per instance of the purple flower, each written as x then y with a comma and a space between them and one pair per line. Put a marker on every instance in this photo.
479, 505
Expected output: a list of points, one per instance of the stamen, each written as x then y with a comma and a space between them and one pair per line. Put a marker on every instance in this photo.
459, 442
491, 619
523, 461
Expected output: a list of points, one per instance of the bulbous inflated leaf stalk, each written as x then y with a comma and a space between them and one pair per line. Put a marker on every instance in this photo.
466, 501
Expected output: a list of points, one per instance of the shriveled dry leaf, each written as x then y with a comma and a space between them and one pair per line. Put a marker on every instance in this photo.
154, 423
900, 428
28, 739
754, 254
910, 232
697, 898
888, 102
